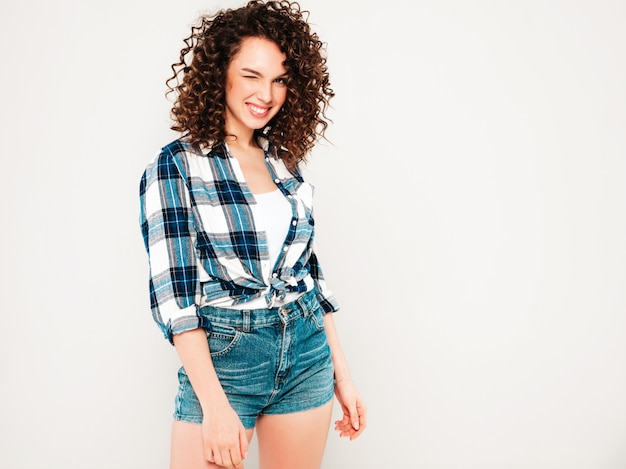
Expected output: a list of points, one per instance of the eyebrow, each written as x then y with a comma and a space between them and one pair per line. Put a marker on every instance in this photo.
259, 74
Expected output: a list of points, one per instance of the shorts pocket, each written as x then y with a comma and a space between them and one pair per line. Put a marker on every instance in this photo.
317, 317
222, 339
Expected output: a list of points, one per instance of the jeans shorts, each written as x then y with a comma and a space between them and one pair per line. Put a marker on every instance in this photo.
268, 361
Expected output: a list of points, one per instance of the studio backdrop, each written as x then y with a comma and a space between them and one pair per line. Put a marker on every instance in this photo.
470, 209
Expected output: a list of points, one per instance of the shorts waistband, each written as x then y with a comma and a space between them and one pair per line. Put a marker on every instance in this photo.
304, 305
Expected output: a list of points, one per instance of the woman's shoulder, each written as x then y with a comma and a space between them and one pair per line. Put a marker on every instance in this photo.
182, 148
181, 152
177, 147
169, 160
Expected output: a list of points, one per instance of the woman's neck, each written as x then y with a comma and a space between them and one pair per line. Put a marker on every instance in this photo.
244, 142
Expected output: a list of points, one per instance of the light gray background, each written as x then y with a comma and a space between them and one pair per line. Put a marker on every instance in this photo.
471, 216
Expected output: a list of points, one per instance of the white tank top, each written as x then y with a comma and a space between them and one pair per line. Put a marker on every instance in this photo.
275, 213
275, 216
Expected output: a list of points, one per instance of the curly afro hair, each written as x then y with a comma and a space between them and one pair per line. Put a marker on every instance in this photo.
199, 108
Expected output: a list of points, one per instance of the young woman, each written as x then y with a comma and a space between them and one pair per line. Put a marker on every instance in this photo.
227, 220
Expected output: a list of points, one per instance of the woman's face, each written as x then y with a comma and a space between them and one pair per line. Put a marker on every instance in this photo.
255, 86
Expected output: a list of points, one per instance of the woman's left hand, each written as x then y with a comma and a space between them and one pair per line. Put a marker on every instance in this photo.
354, 410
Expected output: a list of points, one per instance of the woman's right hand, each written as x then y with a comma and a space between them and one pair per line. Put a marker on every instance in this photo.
224, 437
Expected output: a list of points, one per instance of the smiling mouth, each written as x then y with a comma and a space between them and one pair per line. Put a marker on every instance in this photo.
257, 111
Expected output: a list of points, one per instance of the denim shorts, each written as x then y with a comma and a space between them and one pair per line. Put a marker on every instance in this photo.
268, 361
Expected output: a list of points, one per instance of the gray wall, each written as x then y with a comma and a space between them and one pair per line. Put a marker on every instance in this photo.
470, 213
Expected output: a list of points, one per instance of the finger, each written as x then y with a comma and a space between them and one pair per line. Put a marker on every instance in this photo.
225, 459
217, 458
235, 457
356, 433
354, 416
210, 456
345, 429
243, 444
343, 421
362, 410
343, 424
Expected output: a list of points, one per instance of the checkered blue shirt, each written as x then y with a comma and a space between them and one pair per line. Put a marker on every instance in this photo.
198, 223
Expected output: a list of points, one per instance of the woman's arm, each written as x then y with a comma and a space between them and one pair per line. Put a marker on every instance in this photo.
167, 226
225, 441
354, 410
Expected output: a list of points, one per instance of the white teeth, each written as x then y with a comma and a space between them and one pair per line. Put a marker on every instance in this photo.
258, 110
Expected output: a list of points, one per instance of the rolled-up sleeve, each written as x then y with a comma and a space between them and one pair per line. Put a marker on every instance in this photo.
325, 297
167, 227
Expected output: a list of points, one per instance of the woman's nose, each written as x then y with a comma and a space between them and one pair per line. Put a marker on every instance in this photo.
264, 93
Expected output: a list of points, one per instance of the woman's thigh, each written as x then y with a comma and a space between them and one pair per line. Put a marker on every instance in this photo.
296, 440
186, 451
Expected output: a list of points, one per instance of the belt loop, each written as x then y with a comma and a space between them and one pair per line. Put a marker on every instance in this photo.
303, 305
246, 320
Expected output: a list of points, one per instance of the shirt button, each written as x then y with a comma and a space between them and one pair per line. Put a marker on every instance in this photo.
274, 275
276, 180
294, 223
290, 196
285, 248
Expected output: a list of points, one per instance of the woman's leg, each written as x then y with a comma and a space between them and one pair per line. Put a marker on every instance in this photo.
186, 451
297, 440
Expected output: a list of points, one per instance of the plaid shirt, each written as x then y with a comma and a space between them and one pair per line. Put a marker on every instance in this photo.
204, 247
